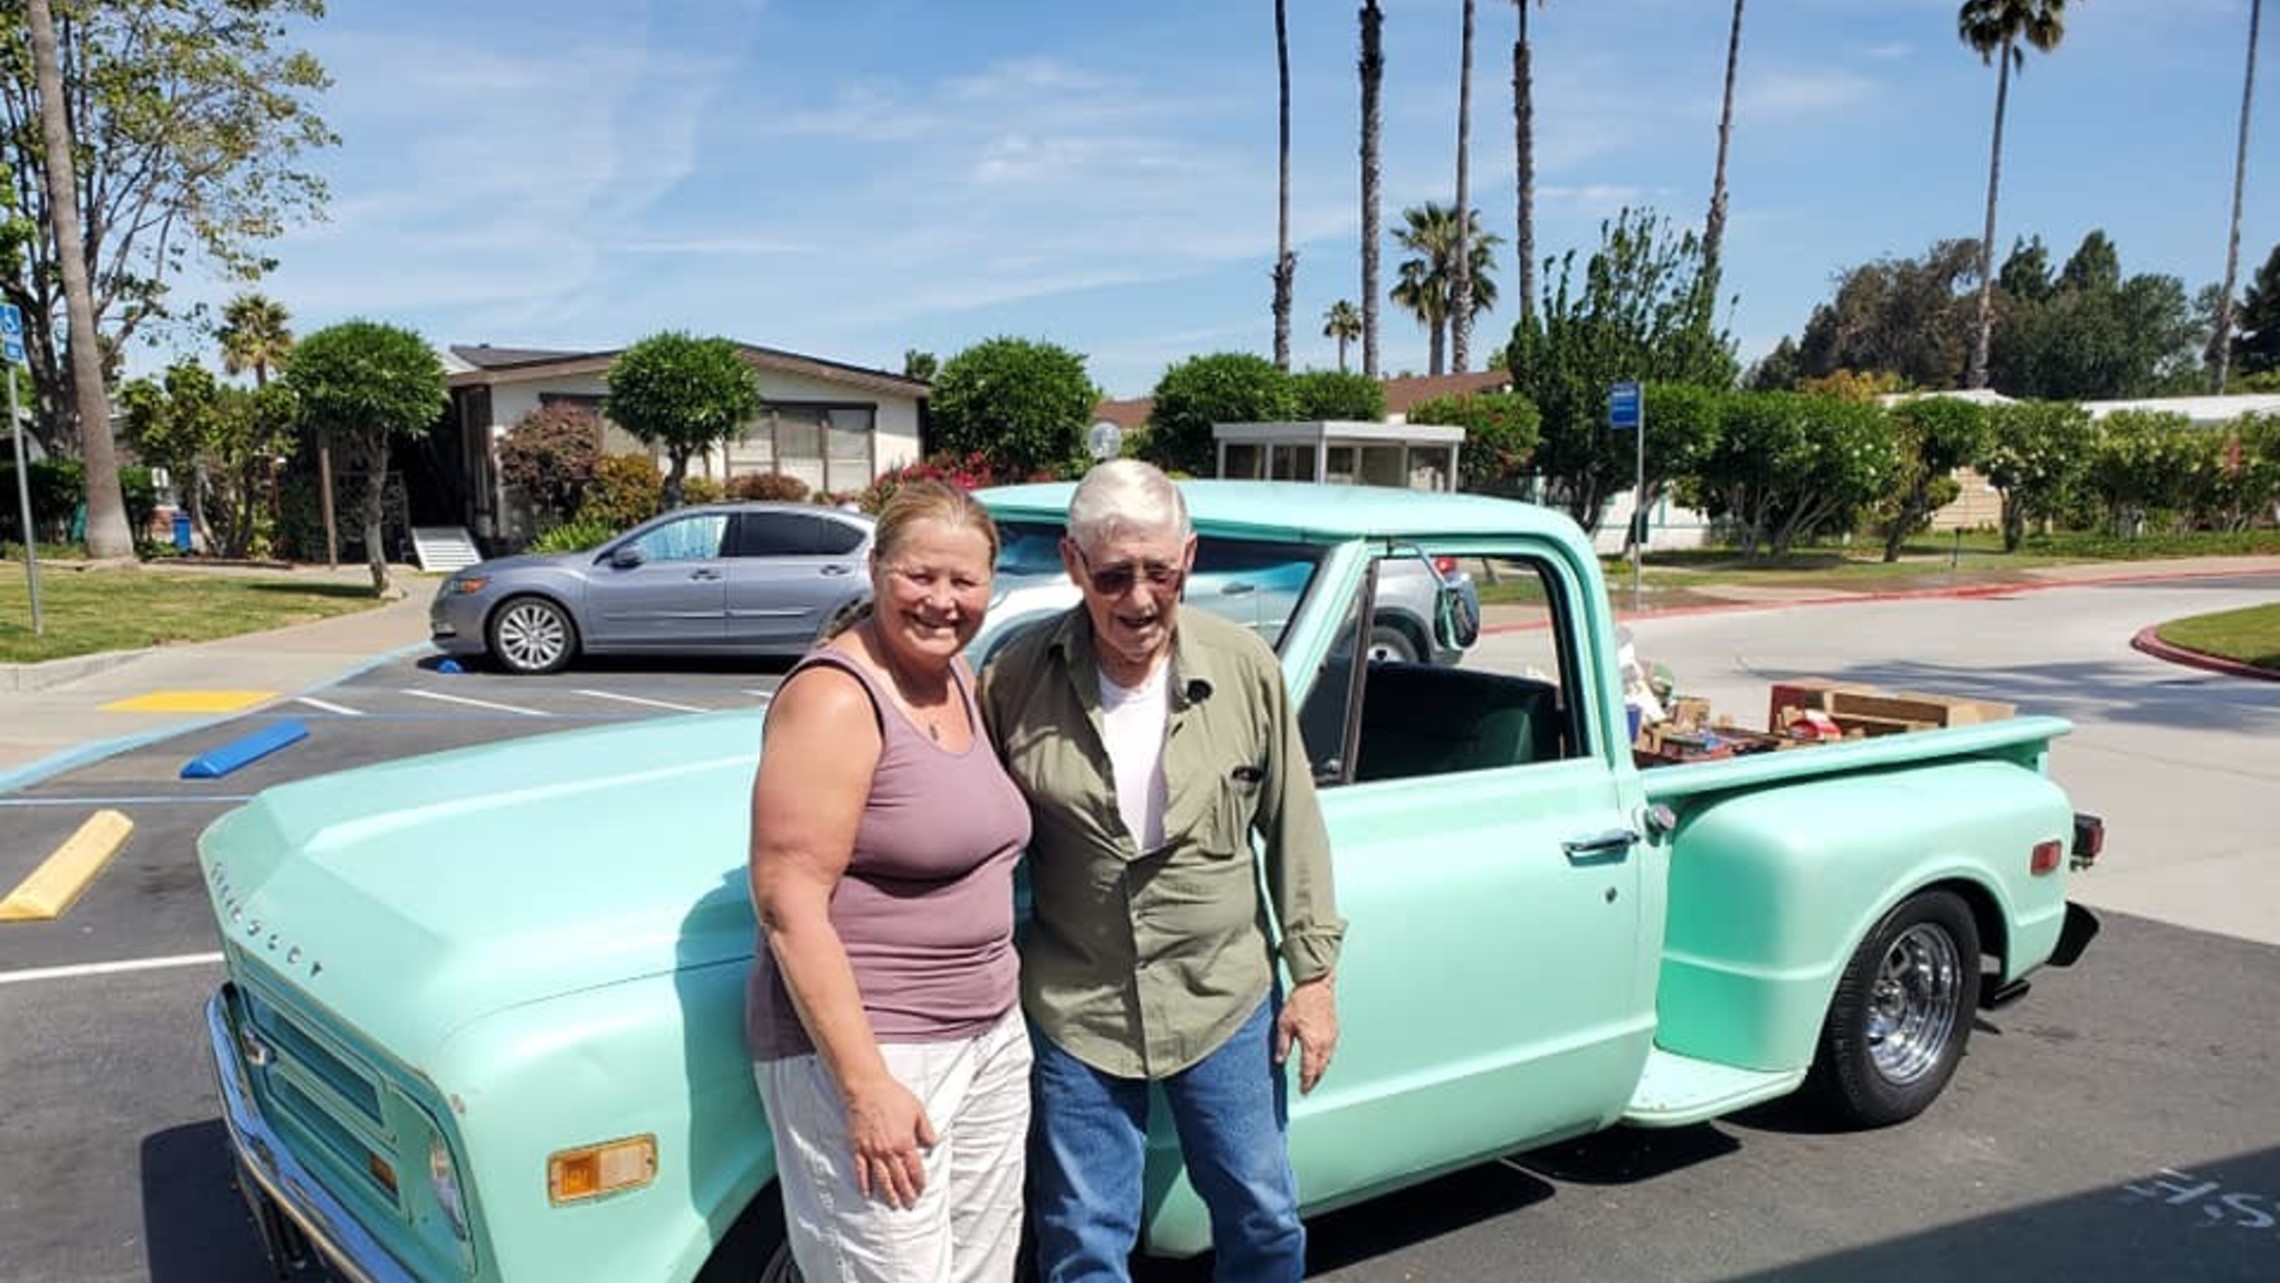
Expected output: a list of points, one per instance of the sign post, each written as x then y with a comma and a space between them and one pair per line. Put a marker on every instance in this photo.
12, 348
1627, 412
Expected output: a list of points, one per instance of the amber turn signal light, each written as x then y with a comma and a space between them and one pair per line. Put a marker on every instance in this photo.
590, 1171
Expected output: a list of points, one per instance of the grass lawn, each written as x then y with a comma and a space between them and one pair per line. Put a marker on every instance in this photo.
96, 610
2251, 636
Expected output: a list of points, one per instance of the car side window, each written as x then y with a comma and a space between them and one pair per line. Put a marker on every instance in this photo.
776, 534
838, 538
1505, 701
694, 538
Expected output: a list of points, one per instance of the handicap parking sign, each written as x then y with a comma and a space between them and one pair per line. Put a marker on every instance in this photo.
11, 332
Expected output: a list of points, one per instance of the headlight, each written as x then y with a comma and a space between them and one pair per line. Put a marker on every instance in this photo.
468, 584
444, 1179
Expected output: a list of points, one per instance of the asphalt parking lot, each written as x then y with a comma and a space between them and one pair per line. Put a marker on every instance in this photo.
2120, 1123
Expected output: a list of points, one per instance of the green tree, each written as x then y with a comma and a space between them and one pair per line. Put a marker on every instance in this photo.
174, 424
1501, 432
1994, 29
1901, 316
2094, 334
194, 124
920, 365
1787, 466
256, 335
2257, 348
107, 532
2143, 465
2220, 347
1373, 84
1022, 404
1714, 227
364, 384
683, 393
1428, 279
1641, 310
1344, 324
1338, 395
1224, 387
1932, 437
1778, 370
2036, 455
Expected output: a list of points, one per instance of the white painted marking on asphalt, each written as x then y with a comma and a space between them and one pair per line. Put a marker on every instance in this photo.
650, 703
313, 702
477, 703
185, 799
108, 968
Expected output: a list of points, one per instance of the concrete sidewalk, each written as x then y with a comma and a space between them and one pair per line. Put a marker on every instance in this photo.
69, 723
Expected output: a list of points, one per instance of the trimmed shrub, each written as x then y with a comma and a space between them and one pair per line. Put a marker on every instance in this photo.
550, 454
628, 490
701, 490
1339, 394
1224, 387
772, 487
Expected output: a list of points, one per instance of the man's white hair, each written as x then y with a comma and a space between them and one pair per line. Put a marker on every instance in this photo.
1125, 495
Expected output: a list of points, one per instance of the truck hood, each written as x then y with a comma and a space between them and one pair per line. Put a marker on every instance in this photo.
412, 897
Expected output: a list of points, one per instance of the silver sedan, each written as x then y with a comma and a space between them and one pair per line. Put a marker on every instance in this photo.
733, 578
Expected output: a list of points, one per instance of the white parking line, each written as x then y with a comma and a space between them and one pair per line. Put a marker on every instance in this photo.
330, 708
108, 968
477, 703
649, 703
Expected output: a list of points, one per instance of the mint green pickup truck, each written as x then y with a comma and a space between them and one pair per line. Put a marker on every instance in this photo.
482, 1014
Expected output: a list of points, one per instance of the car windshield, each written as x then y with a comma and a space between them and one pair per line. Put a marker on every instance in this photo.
1253, 583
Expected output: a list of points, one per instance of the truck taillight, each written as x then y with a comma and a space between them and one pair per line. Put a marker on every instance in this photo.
2089, 839
2045, 858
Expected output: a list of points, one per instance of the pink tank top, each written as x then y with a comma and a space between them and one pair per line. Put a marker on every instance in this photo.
925, 908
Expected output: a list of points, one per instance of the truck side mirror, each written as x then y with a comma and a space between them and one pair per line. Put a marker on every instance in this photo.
1456, 619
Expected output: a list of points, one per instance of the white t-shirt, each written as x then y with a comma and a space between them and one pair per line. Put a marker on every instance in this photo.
1132, 720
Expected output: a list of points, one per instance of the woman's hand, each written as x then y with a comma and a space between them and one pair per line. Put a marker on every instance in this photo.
888, 1128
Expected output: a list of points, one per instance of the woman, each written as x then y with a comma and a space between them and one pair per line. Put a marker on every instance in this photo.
882, 1010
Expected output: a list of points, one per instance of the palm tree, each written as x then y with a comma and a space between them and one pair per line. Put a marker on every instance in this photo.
1460, 284
108, 537
1373, 79
256, 334
1993, 29
1344, 324
2223, 341
1427, 281
1524, 158
1286, 266
1714, 232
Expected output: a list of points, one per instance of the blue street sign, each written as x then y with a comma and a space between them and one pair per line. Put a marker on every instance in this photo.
1623, 406
11, 332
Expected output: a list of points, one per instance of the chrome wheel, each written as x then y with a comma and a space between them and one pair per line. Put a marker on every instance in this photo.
531, 635
1912, 1008
1390, 645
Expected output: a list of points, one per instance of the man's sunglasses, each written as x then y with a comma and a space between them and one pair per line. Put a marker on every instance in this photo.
1117, 580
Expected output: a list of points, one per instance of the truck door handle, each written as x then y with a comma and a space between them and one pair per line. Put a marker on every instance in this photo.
1600, 848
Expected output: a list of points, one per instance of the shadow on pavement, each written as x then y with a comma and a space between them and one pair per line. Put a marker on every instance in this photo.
196, 1228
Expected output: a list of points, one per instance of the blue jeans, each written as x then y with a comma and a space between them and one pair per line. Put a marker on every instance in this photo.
1088, 1151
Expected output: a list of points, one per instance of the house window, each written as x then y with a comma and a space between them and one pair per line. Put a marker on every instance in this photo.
831, 448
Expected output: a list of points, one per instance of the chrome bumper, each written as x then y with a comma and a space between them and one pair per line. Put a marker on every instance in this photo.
288, 1187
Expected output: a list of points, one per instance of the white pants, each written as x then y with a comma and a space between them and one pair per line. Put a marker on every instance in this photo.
966, 1227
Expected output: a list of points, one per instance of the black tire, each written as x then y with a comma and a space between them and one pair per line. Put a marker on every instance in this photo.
755, 1248
532, 636
1392, 644
1902, 1014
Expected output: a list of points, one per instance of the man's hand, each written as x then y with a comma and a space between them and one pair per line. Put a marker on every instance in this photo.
1310, 1016
888, 1128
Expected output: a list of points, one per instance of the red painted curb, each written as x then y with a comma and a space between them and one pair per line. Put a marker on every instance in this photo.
2148, 639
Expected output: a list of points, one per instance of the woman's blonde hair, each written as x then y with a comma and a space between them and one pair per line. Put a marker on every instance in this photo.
910, 504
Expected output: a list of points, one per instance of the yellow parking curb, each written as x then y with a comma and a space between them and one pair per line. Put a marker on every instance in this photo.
59, 880
189, 702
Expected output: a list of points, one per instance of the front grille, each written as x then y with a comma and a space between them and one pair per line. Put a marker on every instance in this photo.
323, 1090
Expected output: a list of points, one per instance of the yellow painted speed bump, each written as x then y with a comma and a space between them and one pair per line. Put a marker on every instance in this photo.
189, 702
59, 880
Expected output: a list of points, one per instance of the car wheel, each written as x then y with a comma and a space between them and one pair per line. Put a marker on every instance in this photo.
531, 635
1902, 1014
1389, 644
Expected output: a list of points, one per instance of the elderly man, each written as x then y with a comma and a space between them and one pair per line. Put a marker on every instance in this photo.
1152, 747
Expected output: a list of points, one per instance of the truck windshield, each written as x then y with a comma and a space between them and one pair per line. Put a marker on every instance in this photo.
1254, 583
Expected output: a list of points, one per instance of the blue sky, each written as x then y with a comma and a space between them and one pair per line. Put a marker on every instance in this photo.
851, 178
